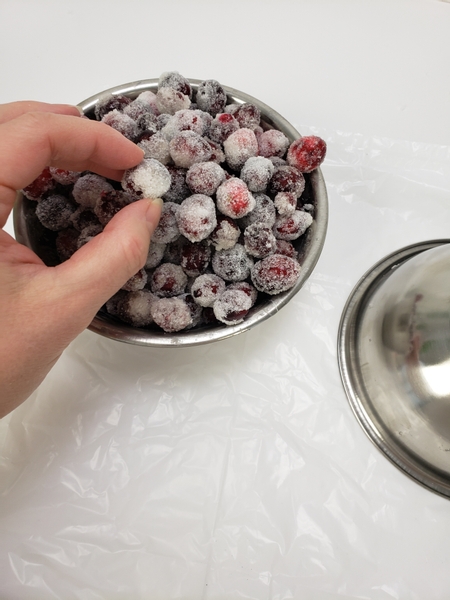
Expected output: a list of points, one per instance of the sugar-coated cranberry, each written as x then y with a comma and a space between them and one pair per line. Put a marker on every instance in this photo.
162, 120
234, 199
264, 212
179, 189
188, 148
63, 176
137, 109
256, 173
110, 203
174, 80
89, 188
307, 153
54, 212
275, 274
83, 217
171, 314
66, 243
222, 126
245, 287
272, 143
207, 288
232, 306
196, 217
135, 308
169, 101
148, 124
233, 264
248, 115
157, 147
217, 154
40, 186
211, 97
205, 177
292, 226
167, 230
287, 179
149, 179
150, 99
184, 120
168, 280
110, 103
112, 305
195, 258
286, 248
239, 147
225, 234
122, 123
137, 282
155, 255
285, 202
259, 240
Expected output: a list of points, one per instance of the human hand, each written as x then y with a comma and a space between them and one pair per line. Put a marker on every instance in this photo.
42, 309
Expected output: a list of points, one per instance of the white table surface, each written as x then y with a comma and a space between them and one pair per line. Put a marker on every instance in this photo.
237, 470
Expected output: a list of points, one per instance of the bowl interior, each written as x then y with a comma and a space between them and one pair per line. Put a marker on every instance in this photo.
30, 232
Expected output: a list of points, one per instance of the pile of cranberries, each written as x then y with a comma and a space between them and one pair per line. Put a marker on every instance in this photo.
236, 196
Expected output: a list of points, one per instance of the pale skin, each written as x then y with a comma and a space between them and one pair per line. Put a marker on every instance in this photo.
42, 309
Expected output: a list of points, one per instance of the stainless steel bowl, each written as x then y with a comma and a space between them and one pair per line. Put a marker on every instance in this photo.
309, 246
394, 357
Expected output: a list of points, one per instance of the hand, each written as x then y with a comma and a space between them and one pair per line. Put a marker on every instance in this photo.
42, 309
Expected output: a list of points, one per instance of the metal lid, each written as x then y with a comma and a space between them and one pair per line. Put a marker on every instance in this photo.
394, 360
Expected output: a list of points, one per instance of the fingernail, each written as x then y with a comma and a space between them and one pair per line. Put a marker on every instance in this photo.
153, 205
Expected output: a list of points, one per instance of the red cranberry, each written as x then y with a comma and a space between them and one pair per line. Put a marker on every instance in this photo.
287, 179
275, 274
188, 148
307, 153
196, 217
171, 314
110, 103
40, 186
168, 280
232, 306
248, 115
211, 97
292, 226
259, 240
195, 258
207, 288
234, 199
222, 126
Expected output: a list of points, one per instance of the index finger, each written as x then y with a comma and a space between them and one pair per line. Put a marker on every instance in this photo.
36, 140
12, 110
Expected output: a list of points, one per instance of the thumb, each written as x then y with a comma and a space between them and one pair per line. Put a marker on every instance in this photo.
101, 267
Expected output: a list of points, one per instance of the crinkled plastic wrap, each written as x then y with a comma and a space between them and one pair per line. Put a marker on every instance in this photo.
237, 469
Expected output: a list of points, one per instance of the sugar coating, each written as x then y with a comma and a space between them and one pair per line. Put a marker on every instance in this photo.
292, 226
89, 188
137, 282
54, 212
259, 240
196, 310
149, 179
222, 126
122, 123
272, 143
232, 306
195, 258
234, 199
169, 101
176, 81
167, 230
217, 154
135, 308
196, 217
225, 234
275, 274
205, 178
110, 203
184, 120
149, 98
256, 173
137, 109
264, 211
307, 153
188, 148
157, 147
179, 189
211, 97
246, 287
109, 103
171, 314
287, 179
168, 280
248, 115
239, 147
233, 264
155, 255
285, 203
207, 288
63, 176
286, 248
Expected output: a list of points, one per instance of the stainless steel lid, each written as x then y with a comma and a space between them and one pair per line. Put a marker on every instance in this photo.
394, 359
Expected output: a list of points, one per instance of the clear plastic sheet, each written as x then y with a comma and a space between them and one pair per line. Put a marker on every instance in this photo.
234, 470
